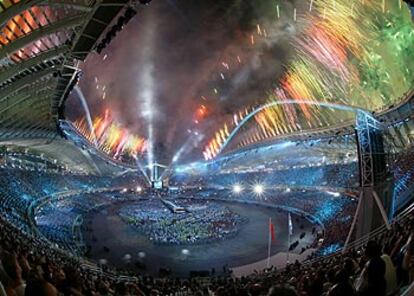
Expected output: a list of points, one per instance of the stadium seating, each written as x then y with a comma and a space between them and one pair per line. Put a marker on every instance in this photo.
54, 242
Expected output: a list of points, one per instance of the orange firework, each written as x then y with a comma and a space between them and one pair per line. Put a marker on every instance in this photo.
111, 137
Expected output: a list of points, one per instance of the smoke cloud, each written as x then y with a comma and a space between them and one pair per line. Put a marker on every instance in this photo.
178, 51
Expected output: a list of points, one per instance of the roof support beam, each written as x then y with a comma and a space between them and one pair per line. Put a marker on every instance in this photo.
13, 116
16, 9
23, 5
65, 92
16, 69
40, 32
17, 118
24, 82
12, 133
38, 132
48, 136
28, 97
31, 89
31, 93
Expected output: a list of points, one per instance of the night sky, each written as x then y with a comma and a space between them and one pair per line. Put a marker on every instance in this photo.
171, 56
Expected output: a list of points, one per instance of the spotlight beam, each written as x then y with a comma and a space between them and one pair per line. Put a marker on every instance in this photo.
85, 107
140, 167
184, 149
147, 95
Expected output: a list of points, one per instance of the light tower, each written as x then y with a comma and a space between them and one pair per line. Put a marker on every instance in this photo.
376, 184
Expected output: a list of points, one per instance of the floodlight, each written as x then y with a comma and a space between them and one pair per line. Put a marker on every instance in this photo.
258, 189
237, 188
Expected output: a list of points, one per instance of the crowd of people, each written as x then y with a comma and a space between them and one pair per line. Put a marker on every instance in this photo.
201, 222
333, 210
335, 175
383, 266
31, 265
402, 169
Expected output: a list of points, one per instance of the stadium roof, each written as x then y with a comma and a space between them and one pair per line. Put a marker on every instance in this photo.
41, 43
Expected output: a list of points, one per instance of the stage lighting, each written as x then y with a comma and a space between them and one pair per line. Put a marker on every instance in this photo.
258, 189
336, 194
237, 188
139, 189
142, 255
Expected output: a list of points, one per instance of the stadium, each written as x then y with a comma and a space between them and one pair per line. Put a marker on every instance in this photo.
232, 147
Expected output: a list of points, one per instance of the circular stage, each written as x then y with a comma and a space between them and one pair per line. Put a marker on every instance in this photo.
111, 237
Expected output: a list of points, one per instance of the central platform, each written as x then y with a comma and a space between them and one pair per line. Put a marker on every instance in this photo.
111, 238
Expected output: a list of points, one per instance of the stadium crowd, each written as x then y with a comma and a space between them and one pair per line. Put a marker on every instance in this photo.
403, 171
335, 175
30, 266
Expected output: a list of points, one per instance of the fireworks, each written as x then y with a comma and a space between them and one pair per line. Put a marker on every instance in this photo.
111, 137
357, 53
